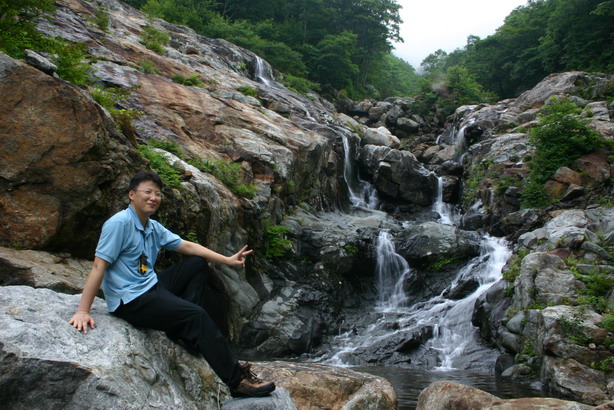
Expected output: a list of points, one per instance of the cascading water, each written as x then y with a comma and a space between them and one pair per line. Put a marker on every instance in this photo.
448, 214
362, 193
453, 343
454, 337
261, 73
391, 269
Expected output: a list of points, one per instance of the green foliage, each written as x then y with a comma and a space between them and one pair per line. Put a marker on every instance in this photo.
101, 18
536, 39
167, 146
606, 365
440, 264
299, 84
158, 162
148, 67
300, 38
71, 64
512, 268
18, 20
155, 40
276, 243
249, 91
108, 97
608, 322
560, 138
192, 81
349, 248
573, 329
228, 173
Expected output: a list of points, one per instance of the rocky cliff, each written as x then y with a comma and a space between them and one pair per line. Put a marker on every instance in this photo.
66, 161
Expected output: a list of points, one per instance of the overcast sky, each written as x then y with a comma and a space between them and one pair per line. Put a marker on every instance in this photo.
429, 25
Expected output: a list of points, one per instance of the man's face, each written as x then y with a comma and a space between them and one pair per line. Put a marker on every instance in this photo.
145, 198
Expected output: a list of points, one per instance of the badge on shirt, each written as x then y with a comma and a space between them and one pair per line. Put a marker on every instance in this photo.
143, 265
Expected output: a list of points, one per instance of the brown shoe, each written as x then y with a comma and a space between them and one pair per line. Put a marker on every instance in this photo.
251, 385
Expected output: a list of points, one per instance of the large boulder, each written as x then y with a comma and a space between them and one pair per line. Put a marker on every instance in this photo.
311, 386
399, 175
40, 269
46, 363
57, 149
448, 395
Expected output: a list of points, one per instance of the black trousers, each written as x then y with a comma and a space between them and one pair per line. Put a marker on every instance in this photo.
176, 305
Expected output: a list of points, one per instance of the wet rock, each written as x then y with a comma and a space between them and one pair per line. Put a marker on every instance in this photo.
310, 386
398, 175
428, 243
447, 395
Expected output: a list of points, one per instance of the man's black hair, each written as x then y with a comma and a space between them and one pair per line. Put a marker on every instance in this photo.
145, 176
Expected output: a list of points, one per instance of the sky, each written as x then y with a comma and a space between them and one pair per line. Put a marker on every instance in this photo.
429, 25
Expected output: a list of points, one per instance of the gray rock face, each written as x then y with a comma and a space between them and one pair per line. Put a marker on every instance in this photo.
46, 363
399, 175
39, 269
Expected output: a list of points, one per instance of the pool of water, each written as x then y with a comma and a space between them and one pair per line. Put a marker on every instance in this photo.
408, 383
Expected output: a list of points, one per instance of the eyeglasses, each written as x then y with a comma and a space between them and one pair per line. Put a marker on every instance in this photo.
149, 192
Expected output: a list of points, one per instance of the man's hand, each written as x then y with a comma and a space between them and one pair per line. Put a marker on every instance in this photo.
238, 259
81, 320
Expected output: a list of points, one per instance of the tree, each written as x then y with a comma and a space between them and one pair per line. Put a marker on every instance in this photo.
334, 66
18, 24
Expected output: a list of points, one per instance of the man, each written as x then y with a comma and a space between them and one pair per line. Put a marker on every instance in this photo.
167, 301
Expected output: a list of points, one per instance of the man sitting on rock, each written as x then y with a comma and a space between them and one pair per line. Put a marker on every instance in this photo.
124, 261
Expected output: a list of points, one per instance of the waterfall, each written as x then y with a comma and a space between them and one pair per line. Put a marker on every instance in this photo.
391, 269
262, 73
362, 193
374, 335
448, 213
454, 336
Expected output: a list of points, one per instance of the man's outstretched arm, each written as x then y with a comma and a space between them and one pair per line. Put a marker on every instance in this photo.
81, 319
191, 248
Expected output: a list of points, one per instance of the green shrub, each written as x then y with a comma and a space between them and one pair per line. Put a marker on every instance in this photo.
192, 81
71, 65
559, 139
18, 21
155, 40
249, 91
228, 173
300, 85
167, 146
159, 163
608, 322
101, 18
275, 242
147, 66
107, 97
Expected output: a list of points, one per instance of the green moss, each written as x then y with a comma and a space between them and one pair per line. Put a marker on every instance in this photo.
229, 174
159, 163
155, 40
276, 244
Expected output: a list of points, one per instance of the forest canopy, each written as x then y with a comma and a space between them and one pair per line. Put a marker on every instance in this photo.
344, 48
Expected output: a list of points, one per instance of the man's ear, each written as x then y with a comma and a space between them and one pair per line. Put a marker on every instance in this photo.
131, 194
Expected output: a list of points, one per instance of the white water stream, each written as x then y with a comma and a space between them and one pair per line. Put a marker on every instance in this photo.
453, 344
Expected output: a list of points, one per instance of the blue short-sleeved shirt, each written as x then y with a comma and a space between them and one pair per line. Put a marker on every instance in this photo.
123, 242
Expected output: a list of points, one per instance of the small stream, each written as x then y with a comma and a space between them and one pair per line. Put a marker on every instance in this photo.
450, 348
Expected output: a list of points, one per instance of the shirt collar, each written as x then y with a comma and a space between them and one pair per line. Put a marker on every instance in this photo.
137, 221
